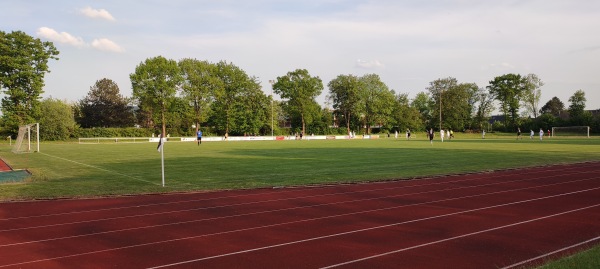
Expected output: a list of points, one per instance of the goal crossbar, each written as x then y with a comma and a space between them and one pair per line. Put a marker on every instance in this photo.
571, 131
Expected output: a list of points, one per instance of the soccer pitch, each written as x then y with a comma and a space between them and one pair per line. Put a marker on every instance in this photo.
88, 170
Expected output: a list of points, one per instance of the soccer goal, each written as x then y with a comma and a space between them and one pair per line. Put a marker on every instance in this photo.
24, 142
571, 131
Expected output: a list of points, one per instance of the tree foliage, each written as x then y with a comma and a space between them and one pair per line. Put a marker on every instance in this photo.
155, 82
532, 93
376, 103
554, 107
300, 90
104, 106
508, 90
344, 92
57, 120
199, 85
23, 64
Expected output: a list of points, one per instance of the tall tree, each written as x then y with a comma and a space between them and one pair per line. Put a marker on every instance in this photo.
104, 106
554, 107
344, 93
377, 101
425, 105
577, 106
532, 93
154, 84
405, 115
199, 86
485, 105
234, 83
23, 64
438, 90
300, 89
508, 90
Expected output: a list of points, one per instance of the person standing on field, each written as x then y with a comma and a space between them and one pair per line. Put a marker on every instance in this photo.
519, 134
442, 134
430, 136
531, 134
199, 137
541, 134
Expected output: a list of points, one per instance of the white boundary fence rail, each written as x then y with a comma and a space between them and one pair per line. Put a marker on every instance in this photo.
114, 140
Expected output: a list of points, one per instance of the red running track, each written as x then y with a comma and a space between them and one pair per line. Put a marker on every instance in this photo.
502, 219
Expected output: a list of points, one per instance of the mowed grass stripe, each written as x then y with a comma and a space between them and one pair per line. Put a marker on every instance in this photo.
117, 169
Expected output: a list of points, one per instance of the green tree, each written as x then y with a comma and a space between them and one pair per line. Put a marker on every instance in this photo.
459, 106
377, 101
104, 106
553, 107
57, 120
577, 106
425, 105
252, 110
577, 113
344, 92
532, 93
154, 84
485, 105
199, 86
228, 105
300, 90
508, 90
437, 89
405, 115
23, 64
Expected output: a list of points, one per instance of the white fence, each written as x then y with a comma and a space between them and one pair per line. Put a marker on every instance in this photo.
112, 140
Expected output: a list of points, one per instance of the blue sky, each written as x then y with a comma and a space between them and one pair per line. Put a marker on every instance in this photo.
407, 43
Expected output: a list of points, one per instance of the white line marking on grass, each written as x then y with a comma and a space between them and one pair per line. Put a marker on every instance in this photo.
101, 169
552, 253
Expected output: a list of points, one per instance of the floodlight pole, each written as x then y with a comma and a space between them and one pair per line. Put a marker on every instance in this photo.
441, 90
37, 132
272, 127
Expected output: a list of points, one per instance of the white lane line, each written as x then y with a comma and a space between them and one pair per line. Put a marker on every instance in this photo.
288, 243
279, 200
391, 225
460, 236
552, 253
281, 210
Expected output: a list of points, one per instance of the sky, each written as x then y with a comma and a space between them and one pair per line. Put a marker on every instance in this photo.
408, 43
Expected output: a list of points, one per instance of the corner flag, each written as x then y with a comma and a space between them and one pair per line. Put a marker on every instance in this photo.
162, 157
160, 144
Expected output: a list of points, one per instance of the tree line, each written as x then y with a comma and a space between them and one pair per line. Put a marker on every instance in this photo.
180, 97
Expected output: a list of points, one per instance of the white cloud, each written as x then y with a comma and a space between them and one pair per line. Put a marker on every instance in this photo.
106, 45
372, 64
62, 37
103, 44
97, 13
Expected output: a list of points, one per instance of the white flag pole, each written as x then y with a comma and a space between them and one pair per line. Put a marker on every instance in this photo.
162, 162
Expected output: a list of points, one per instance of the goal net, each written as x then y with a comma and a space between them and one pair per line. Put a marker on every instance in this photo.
571, 131
28, 139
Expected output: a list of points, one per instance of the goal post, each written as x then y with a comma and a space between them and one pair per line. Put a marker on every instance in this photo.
571, 131
24, 141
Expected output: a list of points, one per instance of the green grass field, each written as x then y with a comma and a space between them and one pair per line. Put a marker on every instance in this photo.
84, 170
89, 170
